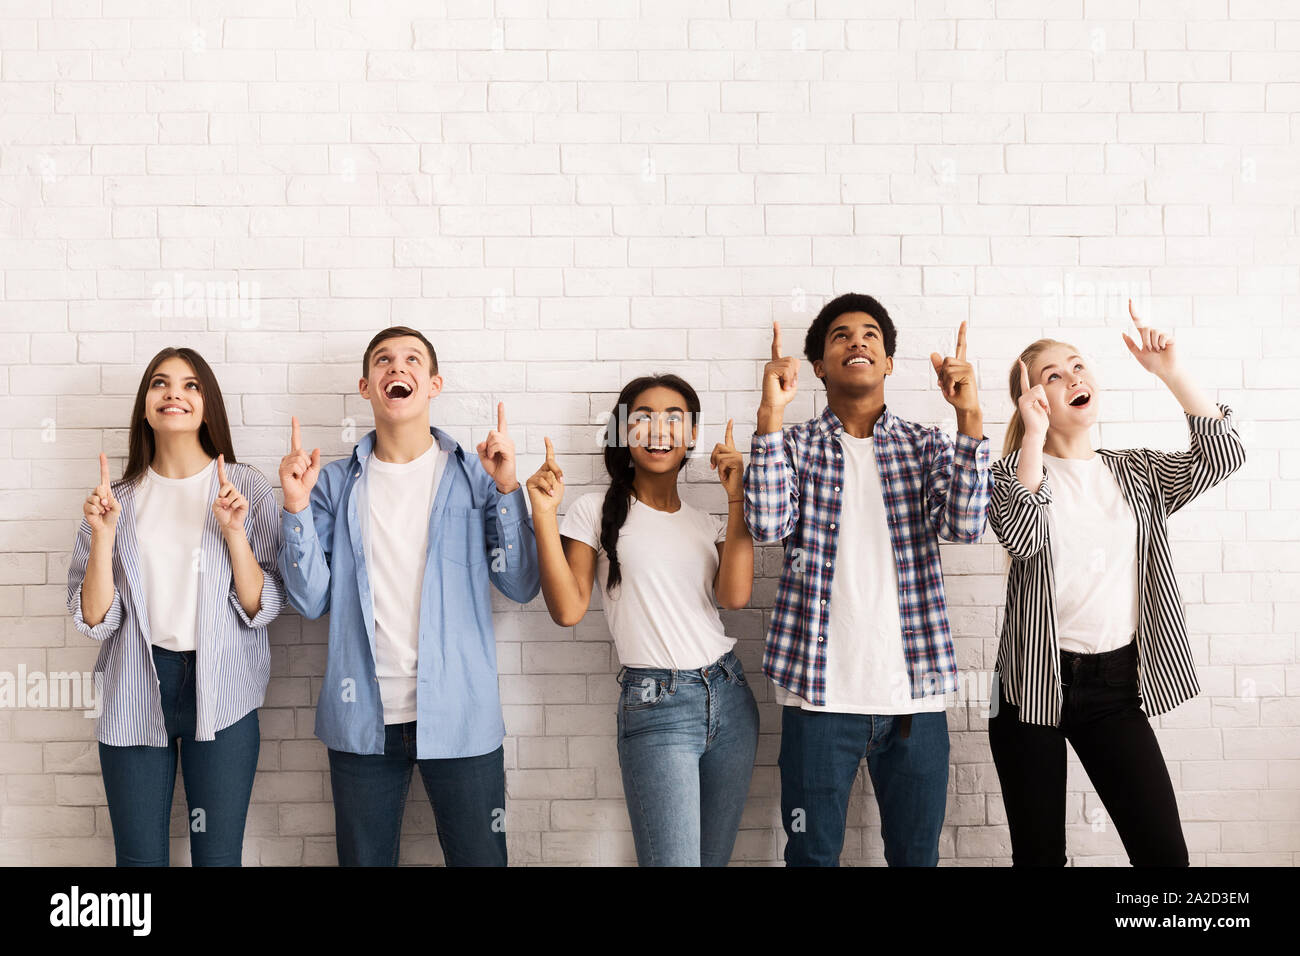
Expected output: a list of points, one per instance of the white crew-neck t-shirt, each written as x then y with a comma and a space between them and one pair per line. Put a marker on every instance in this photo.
866, 670
662, 614
395, 510
1093, 534
170, 514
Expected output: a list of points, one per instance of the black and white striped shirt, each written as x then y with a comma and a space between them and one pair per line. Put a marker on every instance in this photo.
1155, 484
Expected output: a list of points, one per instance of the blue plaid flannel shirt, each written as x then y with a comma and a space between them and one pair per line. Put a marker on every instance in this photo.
932, 490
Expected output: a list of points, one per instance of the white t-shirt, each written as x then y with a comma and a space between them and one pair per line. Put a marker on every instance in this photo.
662, 614
395, 510
1093, 534
169, 517
866, 670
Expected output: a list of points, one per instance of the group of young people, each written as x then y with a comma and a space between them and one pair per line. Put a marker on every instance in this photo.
180, 565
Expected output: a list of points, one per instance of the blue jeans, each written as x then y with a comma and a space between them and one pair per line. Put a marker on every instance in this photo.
468, 796
686, 743
218, 776
820, 753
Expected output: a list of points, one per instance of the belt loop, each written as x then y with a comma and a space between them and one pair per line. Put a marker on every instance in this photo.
619, 676
672, 680
906, 729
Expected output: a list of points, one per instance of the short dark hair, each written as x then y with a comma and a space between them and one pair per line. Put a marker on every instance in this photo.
397, 332
814, 345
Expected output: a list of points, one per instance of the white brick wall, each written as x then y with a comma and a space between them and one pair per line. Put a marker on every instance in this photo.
564, 194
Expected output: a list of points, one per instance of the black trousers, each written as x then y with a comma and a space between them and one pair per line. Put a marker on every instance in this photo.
1102, 719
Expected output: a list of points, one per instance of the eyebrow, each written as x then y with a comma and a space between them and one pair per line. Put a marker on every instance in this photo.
1053, 365
386, 351
844, 326
647, 408
187, 378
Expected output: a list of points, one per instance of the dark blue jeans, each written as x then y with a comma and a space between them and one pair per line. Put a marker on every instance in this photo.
468, 796
218, 776
820, 754
686, 744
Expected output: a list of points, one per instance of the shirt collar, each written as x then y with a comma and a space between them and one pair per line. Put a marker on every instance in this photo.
829, 424
365, 448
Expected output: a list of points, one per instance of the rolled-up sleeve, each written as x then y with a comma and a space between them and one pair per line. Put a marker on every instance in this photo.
76, 578
1018, 516
771, 488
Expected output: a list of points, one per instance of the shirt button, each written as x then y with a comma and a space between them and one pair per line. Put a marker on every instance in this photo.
823, 599
504, 511
297, 528
828, 564
821, 639
358, 475
510, 546
832, 524
837, 455
837, 487
295, 564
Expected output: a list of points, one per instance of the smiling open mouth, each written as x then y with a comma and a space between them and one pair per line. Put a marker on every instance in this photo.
859, 360
658, 450
1080, 400
398, 389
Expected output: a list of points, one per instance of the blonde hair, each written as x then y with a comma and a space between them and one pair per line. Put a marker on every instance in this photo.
1016, 426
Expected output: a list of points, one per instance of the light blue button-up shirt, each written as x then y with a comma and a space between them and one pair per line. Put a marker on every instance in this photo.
477, 535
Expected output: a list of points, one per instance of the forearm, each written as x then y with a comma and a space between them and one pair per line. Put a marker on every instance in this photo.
736, 570
245, 571
1029, 469
770, 419
560, 587
97, 587
971, 422
1190, 395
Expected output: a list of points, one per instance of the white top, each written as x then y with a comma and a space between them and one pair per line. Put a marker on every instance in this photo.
169, 517
662, 614
1093, 535
395, 509
866, 670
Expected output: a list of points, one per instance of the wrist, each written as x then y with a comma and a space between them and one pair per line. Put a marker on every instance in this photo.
971, 422
508, 488
770, 419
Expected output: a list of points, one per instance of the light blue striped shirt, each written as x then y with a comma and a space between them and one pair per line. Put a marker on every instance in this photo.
476, 535
232, 655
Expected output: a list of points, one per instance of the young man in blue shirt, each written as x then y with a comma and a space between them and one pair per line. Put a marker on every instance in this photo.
399, 543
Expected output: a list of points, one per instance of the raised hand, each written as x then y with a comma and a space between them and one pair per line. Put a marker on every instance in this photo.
230, 506
956, 376
497, 453
1034, 410
298, 473
1154, 350
100, 507
546, 486
729, 465
780, 375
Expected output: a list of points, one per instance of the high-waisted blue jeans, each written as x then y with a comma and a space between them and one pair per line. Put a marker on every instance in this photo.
218, 776
686, 745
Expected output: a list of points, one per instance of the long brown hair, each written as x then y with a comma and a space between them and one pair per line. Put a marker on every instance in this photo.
618, 461
214, 431
1016, 426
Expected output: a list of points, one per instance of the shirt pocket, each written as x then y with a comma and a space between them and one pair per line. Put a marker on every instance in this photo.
463, 538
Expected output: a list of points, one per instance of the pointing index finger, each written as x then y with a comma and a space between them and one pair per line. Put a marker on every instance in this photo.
501, 416
1024, 377
729, 441
297, 435
103, 470
221, 469
1136, 320
776, 341
961, 342
550, 451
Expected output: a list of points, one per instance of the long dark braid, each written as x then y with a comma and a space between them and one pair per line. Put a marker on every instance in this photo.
618, 461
